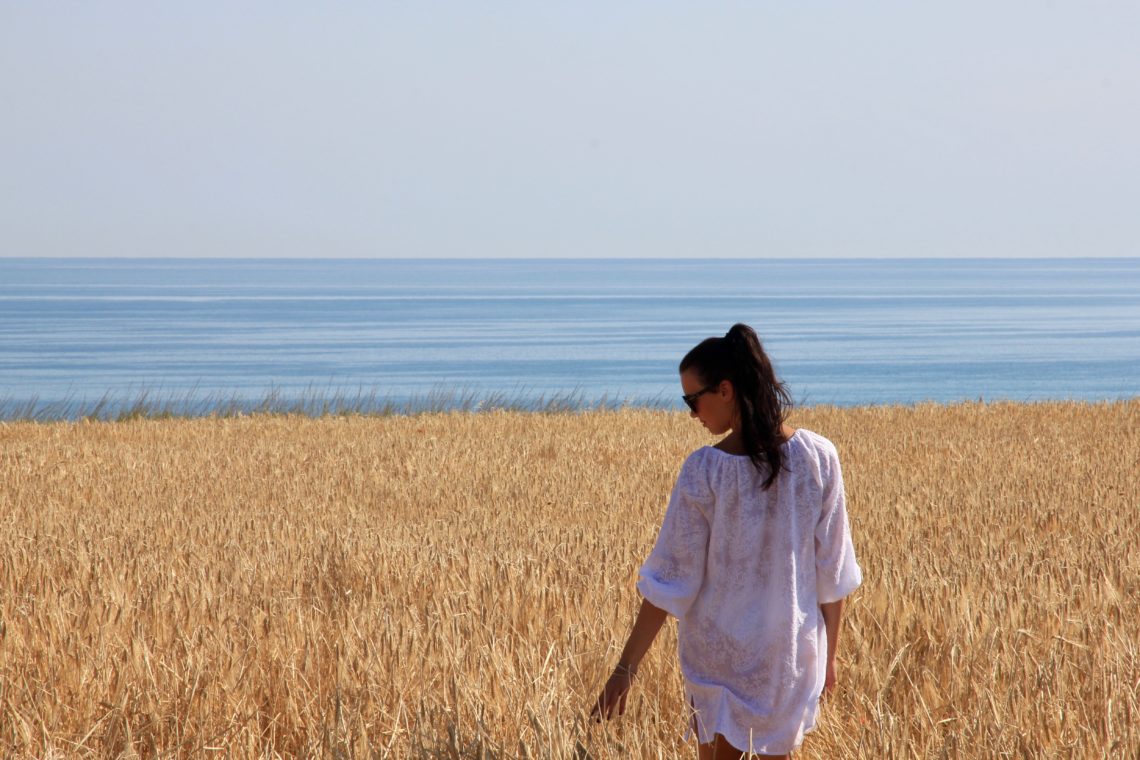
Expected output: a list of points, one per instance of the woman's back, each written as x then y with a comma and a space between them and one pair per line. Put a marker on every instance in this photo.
744, 569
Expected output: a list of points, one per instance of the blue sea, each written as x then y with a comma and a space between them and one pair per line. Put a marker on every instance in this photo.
446, 332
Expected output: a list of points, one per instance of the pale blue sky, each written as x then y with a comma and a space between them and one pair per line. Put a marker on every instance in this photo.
638, 129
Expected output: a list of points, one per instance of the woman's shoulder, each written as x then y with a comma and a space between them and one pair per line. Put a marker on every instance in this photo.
708, 457
701, 466
815, 440
697, 459
813, 452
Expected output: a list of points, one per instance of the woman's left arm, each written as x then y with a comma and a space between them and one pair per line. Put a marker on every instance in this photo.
645, 627
672, 575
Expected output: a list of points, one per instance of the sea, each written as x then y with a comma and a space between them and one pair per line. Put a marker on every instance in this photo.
196, 336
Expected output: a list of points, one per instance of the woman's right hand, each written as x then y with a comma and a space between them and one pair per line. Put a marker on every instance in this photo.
613, 695
829, 678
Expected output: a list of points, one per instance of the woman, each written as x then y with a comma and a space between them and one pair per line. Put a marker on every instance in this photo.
754, 558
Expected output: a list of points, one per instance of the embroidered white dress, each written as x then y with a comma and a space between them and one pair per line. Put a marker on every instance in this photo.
744, 570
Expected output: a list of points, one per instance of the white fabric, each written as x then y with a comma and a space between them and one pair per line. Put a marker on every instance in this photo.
744, 570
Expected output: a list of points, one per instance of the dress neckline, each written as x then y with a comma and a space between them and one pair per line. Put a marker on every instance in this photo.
745, 456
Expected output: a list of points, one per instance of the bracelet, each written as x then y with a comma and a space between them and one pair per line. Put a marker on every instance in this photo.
623, 668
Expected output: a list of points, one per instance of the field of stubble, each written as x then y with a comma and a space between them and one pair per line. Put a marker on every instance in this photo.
459, 585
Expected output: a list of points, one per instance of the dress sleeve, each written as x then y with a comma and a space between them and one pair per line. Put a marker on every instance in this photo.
675, 569
837, 572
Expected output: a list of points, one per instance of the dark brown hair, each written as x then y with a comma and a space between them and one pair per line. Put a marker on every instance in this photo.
761, 399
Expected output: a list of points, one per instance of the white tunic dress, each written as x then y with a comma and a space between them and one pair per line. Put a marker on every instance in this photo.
744, 570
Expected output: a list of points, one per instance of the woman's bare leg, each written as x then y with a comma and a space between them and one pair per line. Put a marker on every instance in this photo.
720, 749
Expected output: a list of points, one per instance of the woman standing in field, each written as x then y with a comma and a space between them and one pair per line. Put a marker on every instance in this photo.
754, 558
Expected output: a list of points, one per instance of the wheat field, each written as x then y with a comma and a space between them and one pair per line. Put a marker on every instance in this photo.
459, 585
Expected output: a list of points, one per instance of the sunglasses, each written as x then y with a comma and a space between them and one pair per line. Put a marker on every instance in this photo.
691, 398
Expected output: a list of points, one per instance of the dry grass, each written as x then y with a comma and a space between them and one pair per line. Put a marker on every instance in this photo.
458, 585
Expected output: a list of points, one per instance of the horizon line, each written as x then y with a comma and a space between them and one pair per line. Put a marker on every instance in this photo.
573, 258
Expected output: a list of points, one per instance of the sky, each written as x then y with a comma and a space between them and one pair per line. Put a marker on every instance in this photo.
571, 129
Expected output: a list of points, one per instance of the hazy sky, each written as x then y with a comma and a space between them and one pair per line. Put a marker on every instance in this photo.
636, 129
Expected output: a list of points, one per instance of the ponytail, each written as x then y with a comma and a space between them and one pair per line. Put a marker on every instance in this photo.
761, 399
